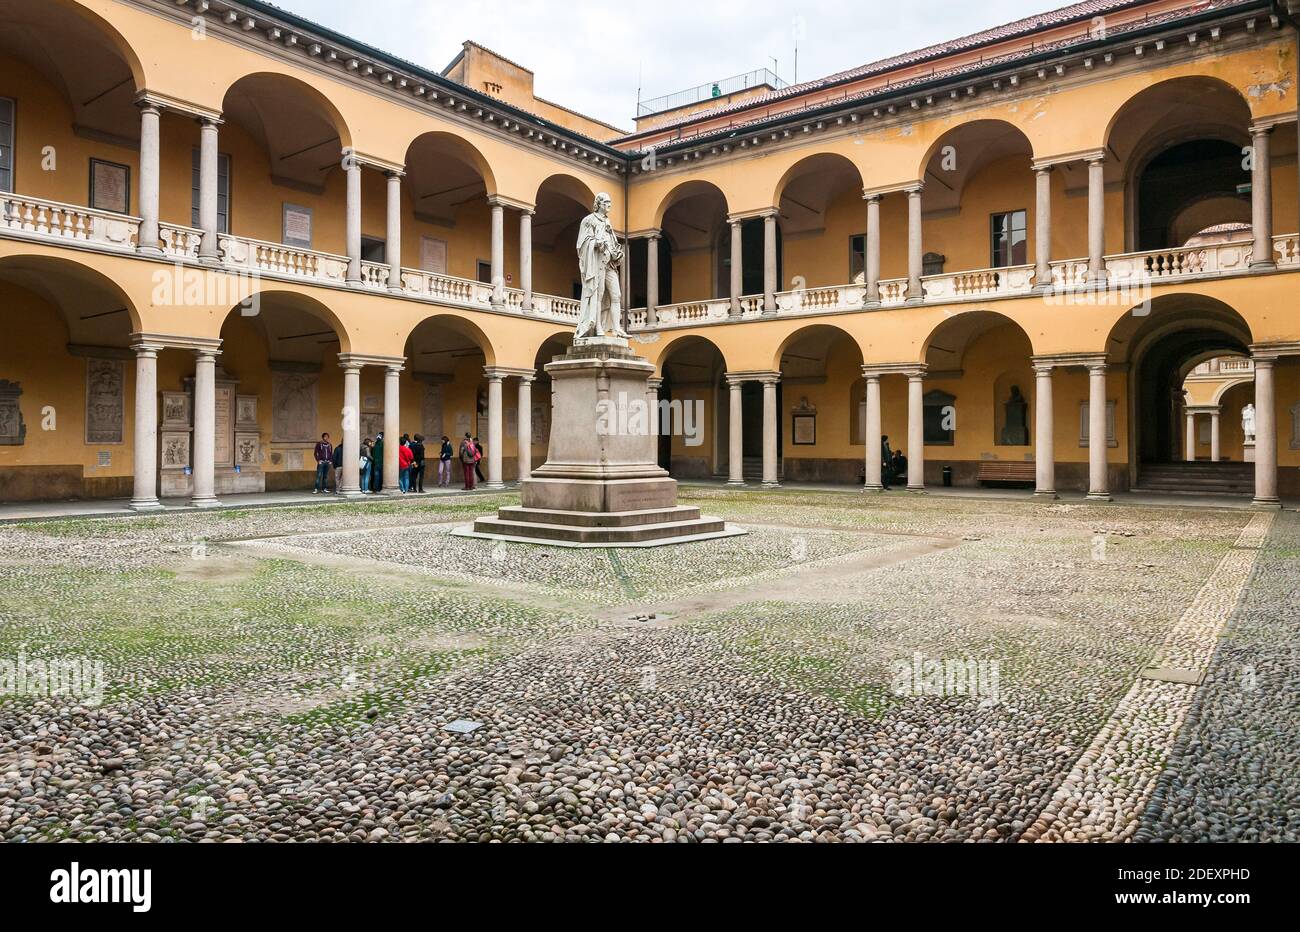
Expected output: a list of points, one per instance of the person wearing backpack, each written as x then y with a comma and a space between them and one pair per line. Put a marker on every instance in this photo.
417, 465
469, 457
444, 462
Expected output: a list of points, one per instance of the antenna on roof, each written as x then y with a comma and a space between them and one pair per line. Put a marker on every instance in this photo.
776, 66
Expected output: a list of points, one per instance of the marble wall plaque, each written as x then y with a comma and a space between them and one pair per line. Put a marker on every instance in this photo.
371, 425
224, 453
248, 450
13, 432
431, 421
293, 407
175, 449
246, 412
177, 408
105, 400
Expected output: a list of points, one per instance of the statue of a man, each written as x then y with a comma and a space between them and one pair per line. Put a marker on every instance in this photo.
600, 258
1248, 421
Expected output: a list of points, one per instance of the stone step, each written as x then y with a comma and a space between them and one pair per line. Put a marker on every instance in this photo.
599, 519
643, 535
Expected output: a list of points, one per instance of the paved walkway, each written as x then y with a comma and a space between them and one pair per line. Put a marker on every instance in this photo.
38, 511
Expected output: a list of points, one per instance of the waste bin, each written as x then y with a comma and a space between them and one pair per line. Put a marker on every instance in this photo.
947, 477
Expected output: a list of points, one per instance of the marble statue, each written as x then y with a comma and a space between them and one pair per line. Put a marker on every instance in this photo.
1248, 422
600, 259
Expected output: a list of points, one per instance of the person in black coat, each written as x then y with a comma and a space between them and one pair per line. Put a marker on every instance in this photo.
886, 463
417, 465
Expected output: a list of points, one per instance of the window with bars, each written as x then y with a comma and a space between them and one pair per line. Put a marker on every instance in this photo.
223, 192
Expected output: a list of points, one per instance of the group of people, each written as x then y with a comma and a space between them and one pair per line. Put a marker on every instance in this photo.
893, 465
412, 458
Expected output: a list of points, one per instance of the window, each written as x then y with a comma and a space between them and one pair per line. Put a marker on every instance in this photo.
939, 418
857, 257
6, 144
484, 272
372, 249
223, 192
1010, 244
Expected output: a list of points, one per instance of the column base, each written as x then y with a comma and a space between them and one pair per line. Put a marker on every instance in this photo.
396, 289
391, 490
149, 250
493, 486
145, 504
871, 305
354, 282
205, 502
916, 489
914, 301
736, 483
1263, 266
350, 494
1099, 497
1266, 504
873, 488
771, 485
1046, 287
209, 260
1047, 494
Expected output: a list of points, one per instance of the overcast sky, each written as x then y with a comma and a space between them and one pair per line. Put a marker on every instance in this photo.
591, 55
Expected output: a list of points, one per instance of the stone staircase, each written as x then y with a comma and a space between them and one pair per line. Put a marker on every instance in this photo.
1199, 478
753, 468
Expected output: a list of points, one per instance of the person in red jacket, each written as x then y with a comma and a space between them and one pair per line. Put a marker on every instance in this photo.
404, 460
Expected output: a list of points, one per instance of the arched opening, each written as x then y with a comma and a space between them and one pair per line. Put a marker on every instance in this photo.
284, 142
1163, 350
69, 127
822, 424
562, 202
976, 173
822, 223
444, 390
692, 218
67, 382
980, 397
693, 371
447, 184
1179, 152
752, 247
278, 388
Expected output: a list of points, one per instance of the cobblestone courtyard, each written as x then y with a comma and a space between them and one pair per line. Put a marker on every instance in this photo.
289, 673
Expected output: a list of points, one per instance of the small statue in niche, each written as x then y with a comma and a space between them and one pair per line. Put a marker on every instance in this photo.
1015, 431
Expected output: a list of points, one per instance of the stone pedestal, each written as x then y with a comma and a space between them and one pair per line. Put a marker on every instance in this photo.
601, 485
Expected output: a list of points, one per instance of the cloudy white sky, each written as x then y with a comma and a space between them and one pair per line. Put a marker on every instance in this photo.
591, 55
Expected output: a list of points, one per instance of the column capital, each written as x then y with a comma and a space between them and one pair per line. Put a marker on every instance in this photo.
872, 197
350, 360
396, 173
394, 368
917, 373
764, 376
896, 188
499, 373
914, 190
151, 100
207, 352
176, 341
146, 349
1261, 128
502, 201
656, 382
892, 368
211, 120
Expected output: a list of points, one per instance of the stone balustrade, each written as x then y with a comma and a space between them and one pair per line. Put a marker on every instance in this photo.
43, 219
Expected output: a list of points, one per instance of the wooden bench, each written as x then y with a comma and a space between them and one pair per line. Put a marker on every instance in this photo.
1006, 471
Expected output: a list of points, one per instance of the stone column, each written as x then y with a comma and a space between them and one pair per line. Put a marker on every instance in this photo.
494, 379
1216, 448
525, 427
392, 427
916, 431
1265, 435
1044, 433
350, 485
871, 272
205, 429
150, 170
652, 387
209, 187
915, 248
770, 283
1043, 230
652, 279
144, 496
393, 236
735, 431
873, 431
1189, 438
1097, 219
1098, 478
737, 266
526, 258
1261, 199
770, 415
498, 253
352, 168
